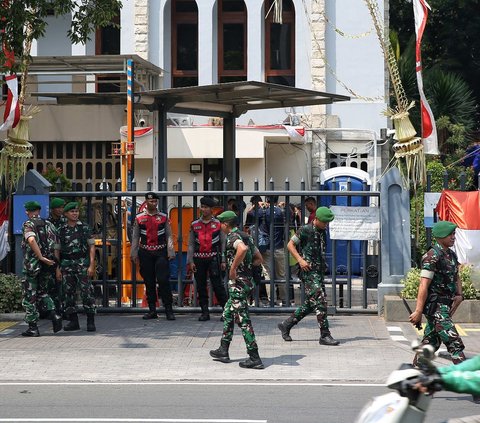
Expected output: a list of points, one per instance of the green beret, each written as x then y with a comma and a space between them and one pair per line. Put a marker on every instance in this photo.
32, 206
56, 202
227, 216
443, 228
324, 214
71, 206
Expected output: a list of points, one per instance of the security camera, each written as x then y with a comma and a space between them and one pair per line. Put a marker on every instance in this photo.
142, 122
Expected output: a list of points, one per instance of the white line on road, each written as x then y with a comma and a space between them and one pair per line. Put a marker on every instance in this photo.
134, 420
247, 383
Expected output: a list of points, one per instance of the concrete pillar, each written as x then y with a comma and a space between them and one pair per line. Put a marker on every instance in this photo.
395, 235
207, 42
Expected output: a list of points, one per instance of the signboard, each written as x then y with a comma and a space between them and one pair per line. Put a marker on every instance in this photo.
355, 223
19, 215
429, 206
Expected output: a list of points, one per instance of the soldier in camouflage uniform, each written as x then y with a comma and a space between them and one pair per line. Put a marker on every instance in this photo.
57, 218
241, 255
77, 263
40, 257
311, 239
440, 293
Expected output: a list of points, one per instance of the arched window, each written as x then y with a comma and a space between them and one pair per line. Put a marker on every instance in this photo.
280, 44
232, 41
79, 171
184, 43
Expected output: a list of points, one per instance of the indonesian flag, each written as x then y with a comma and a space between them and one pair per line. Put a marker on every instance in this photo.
429, 129
11, 115
463, 209
4, 246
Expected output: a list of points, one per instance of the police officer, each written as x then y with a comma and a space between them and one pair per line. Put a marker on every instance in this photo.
311, 238
57, 218
77, 263
152, 248
40, 257
206, 243
440, 293
241, 256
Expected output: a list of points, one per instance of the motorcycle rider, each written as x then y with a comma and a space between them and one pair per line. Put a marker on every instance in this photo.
460, 378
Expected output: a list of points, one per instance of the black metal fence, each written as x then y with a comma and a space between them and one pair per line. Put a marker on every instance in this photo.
119, 287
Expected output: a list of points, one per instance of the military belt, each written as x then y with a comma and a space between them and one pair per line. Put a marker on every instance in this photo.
445, 300
75, 256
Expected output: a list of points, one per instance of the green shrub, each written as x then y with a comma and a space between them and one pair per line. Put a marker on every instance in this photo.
412, 280
10, 293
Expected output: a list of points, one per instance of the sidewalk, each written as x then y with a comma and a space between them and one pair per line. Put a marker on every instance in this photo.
127, 348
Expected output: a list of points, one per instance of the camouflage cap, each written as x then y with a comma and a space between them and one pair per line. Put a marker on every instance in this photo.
443, 228
324, 214
32, 206
71, 206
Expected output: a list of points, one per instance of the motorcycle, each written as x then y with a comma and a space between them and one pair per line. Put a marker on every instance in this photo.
408, 404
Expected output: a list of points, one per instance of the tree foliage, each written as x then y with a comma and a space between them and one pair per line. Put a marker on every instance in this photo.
21, 25
450, 41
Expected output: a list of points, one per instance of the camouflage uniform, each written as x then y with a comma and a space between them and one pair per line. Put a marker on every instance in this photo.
440, 327
307, 246
55, 289
38, 276
74, 261
238, 291
312, 245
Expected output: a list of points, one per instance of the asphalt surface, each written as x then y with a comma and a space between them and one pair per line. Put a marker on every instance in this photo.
127, 348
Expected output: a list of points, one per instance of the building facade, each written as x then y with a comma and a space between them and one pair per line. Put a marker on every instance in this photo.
323, 45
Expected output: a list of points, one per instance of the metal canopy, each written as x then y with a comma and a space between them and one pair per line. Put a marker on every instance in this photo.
90, 65
228, 101
234, 98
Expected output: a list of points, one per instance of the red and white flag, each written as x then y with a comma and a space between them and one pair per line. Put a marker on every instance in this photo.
463, 209
429, 129
11, 115
4, 246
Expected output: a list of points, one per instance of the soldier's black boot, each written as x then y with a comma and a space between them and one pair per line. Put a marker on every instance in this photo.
152, 313
253, 361
169, 312
72, 324
32, 330
91, 322
327, 339
285, 327
56, 321
221, 354
205, 314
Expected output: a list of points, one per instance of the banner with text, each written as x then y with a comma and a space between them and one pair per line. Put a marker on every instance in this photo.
355, 223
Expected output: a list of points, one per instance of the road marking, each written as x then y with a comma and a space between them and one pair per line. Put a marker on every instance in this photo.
398, 338
471, 330
396, 333
255, 383
5, 325
460, 330
133, 420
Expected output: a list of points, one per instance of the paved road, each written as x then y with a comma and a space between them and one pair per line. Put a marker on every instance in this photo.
127, 348
159, 370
